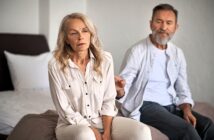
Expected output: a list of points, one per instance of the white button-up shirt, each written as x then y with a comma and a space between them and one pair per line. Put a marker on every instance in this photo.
136, 69
83, 99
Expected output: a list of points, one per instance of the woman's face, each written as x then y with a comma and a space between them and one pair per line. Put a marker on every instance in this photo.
78, 35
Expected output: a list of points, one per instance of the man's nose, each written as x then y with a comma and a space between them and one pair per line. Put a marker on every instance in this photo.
163, 26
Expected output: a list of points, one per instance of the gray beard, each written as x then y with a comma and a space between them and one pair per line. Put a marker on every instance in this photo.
159, 40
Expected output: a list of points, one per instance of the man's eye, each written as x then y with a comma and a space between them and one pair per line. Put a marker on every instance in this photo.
158, 21
169, 23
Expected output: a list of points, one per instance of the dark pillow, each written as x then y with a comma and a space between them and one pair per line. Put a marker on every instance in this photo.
36, 127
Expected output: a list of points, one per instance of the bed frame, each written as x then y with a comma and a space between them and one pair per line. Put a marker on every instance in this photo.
30, 44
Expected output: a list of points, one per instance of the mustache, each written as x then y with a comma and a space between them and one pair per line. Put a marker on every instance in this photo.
162, 31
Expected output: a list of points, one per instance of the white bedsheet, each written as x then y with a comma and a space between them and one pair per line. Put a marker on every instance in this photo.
15, 104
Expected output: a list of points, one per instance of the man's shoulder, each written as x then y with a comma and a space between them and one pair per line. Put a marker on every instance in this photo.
139, 45
141, 42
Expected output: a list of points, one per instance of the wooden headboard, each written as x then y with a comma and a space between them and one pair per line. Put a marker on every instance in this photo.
30, 44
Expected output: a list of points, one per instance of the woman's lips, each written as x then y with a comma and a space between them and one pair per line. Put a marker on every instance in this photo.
80, 44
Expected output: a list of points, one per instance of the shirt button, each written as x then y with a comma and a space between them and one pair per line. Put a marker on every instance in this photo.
89, 116
85, 82
85, 117
86, 93
88, 105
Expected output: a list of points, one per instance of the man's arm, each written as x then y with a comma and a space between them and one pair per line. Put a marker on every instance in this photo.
183, 92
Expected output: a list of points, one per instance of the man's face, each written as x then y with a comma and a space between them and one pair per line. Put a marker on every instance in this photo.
163, 26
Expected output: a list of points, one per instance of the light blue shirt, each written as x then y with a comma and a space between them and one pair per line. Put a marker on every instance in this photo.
136, 69
157, 87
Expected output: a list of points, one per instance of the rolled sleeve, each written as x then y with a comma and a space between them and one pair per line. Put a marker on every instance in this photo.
109, 109
181, 84
108, 106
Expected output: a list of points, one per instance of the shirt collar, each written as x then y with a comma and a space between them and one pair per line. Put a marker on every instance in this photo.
71, 64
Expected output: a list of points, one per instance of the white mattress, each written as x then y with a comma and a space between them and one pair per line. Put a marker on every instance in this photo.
15, 104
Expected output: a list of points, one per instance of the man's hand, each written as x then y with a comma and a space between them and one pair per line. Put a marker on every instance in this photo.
187, 114
120, 84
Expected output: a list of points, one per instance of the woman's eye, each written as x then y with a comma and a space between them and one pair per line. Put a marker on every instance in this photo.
85, 30
73, 33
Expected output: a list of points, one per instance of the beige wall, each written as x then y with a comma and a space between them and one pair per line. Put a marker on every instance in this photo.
121, 23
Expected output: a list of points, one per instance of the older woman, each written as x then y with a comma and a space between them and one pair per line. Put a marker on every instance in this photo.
83, 89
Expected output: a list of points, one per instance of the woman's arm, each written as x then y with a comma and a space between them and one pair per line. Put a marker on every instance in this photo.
108, 104
107, 122
108, 110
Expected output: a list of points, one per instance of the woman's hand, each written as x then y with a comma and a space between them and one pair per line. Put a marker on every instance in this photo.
106, 136
96, 133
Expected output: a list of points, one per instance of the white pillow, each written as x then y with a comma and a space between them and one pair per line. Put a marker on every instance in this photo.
29, 72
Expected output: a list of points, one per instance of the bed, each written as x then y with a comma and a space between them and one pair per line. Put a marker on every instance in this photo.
19, 95
29, 114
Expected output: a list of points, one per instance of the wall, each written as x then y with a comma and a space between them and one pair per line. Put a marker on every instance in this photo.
58, 9
37, 16
121, 23
20, 16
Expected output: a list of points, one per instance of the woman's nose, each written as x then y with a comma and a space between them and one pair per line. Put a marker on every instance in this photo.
80, 36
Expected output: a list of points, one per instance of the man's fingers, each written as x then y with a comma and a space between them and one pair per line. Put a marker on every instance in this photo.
117, 78
187, 119
122, 83
191, 120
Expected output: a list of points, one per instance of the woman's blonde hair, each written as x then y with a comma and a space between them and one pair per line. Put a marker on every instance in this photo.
64, 51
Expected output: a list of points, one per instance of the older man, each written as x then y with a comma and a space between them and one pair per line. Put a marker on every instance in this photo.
153, 87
